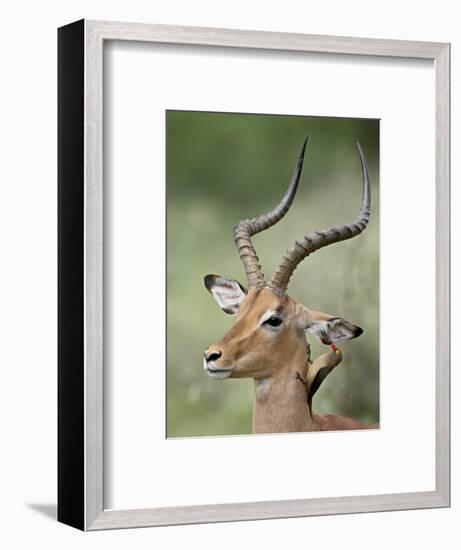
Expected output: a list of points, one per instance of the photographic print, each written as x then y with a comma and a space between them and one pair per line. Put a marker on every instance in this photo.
278, 211
263, 335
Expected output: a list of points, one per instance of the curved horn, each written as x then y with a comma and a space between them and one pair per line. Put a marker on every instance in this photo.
314, 241
245, 229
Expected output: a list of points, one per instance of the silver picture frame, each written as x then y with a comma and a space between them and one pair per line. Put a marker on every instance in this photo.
80, 319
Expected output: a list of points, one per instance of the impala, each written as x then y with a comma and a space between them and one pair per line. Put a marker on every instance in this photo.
268, 340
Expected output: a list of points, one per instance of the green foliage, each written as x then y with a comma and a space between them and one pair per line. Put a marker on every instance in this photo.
225, 167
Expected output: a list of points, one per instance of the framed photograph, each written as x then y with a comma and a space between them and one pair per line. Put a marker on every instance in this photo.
211, 366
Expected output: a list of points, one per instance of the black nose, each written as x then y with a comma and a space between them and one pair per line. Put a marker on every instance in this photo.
213, 356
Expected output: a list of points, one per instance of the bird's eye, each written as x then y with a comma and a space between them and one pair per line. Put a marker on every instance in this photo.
273, 321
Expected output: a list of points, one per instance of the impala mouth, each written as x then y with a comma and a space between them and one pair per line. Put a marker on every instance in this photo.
212, 369
215, 372
219, 374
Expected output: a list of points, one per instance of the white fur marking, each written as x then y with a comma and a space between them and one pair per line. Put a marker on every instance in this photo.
270, 313
262, 387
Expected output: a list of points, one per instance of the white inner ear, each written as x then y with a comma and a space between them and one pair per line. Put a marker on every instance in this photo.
228, 294
335, 330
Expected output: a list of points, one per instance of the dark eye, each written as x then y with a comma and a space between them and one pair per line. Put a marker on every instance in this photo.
273, 321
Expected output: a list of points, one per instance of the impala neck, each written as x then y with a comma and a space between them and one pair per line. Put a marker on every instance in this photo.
280, 401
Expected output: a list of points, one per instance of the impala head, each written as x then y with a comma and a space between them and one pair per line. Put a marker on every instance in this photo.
270, 326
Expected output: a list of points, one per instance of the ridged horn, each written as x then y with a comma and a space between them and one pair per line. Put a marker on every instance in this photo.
245, 229
318, 239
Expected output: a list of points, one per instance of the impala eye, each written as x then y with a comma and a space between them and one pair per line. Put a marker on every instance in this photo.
273, 321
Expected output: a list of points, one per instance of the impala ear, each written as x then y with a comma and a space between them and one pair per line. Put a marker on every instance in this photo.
328, 329
228, 293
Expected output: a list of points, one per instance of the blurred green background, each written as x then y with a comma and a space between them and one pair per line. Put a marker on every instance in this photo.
222, 167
